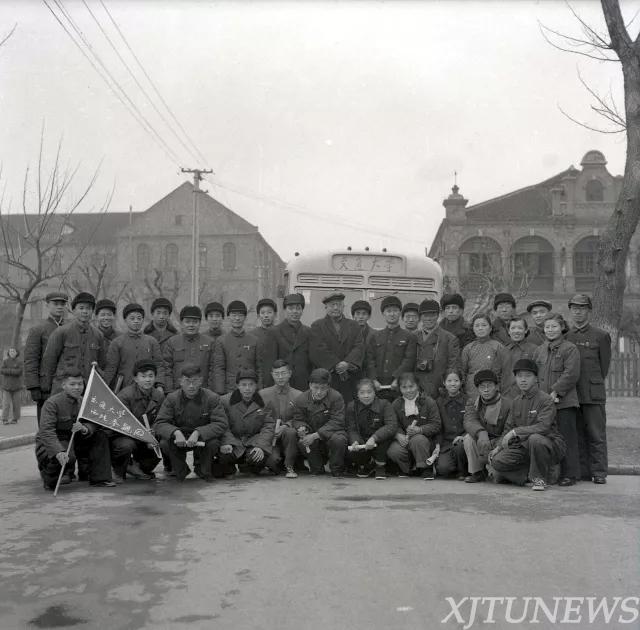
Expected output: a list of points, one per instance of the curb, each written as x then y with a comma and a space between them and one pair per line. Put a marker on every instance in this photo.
627, 469
17, 440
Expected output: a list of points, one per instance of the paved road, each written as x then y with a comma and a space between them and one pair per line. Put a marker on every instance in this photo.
302, 554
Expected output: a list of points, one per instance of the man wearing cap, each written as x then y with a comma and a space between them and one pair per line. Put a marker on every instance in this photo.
594, 346
530, 443
390, 351
538, 311
452, 305
214, 314
484, 420
160, 326
190, 346
437, 352
361, 313
36, 343
319, 420
76, 345
143, 399
411, 316
337, 345
236, 350
190, 416
105, 314
504, 305
289, 341
130, 347
266, 310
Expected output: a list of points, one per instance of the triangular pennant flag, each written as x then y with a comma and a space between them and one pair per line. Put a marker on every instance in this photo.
101, 406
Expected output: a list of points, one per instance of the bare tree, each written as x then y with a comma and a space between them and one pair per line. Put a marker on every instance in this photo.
94, 273
35, 243
616, 45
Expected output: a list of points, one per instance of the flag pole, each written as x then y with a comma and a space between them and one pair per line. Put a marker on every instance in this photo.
55, 492
147, 426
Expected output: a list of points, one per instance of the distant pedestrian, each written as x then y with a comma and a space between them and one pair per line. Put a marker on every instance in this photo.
11, 371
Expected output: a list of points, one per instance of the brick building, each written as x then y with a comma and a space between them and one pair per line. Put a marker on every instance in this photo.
140, 255
537, 242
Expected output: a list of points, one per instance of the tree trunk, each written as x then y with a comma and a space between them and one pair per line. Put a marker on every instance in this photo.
614, 243
17, 328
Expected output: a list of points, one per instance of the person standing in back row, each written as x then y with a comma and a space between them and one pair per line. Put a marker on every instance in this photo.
161, 327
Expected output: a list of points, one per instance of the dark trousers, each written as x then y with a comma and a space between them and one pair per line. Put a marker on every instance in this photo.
288, 446
347, 388
39, 406
146, 457
49, 467
418, 450
332, 450
532, 458
452, 460
228, 460
570, 464
592, 440
377, 455
121, 449
178, 457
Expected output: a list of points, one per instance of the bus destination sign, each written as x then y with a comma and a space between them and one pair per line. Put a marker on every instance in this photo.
367, 262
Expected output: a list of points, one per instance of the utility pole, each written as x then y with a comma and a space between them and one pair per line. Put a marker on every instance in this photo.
195, 235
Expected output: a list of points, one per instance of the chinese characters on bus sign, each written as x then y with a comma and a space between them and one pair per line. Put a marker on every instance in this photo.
367, 262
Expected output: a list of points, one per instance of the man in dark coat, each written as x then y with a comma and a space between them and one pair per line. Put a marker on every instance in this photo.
538, 311
438, 351
76, 345
504, 305
105, 314
390, 351
530, 443
452, 305
59, 420
319, 420
337, 346
190, 346
361, 314
37, 342
214, 314
289, 341
188, 417
161, 327
594, 346
411, 317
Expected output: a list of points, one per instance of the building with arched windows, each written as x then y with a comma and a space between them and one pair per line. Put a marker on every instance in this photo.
537, 242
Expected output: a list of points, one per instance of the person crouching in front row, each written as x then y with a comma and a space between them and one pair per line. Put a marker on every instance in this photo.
191, 418
418, 424
58, 420
249, 438
318, 418
372, 425
531, 442
451, 405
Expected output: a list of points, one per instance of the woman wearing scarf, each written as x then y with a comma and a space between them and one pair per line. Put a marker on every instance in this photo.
484, 421
251, 427
451, 405
558, 362
418, 424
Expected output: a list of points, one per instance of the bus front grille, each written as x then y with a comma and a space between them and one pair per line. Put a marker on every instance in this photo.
418, 284
332, 280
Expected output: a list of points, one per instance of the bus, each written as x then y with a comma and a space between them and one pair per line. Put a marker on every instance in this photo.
361, 275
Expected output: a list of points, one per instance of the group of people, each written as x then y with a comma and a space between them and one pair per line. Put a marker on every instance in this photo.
428, 395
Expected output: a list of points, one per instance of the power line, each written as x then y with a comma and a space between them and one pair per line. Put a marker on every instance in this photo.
131, 108
133, 76
155, 89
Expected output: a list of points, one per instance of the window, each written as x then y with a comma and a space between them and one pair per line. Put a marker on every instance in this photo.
480, 255
584, 263
171, 256
143, 257
177, 219
202, 255
228, 256
594, 190
533, 263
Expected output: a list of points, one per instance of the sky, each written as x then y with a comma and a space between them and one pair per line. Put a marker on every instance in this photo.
326, 124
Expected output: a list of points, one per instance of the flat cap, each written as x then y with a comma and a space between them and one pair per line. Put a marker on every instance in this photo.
56, 296
190, 311
503, 297
266, 302
106, 303
544, 303
132, 308
429, 306
294, 298
484, 375
581, 299
144, 365
360, 305
390, 300
214, 307
452, 299
525, 364
161, 302
320, 376
410, 306
83, 298
333, 297
237, 306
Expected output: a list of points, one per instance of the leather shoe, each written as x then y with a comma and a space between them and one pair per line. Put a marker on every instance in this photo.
567, 481
599, 480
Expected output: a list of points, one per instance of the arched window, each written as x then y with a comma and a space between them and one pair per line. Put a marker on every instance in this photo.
594, 190
171, 256
584, 263
228, 256
533, 263
202, 255
480, 255
143, 257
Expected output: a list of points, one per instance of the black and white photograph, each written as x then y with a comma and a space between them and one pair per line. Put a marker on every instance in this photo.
319, 314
